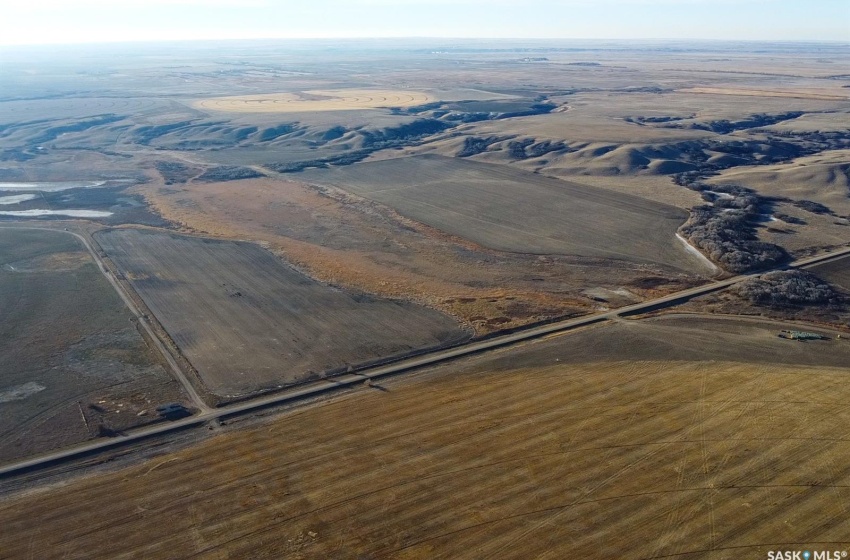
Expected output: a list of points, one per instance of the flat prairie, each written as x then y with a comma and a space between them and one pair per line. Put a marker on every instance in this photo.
247, 321
717, 442
516, 211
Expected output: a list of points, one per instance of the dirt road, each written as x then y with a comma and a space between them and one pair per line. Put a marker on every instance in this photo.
197, 401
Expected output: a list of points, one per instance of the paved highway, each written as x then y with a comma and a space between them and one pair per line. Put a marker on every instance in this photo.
324, 386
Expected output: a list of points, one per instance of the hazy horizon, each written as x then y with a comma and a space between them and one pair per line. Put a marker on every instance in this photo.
48, 22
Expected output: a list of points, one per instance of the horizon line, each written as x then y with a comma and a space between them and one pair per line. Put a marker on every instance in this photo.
423, 38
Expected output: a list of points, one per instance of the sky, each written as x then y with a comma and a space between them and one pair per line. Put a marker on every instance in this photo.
85, 21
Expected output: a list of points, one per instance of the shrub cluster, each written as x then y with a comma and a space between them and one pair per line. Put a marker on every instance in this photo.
516, 148
526, 148
174, 172
400, 135
754, 121
788, 288
789, 219
147, 134
473, 145
333, 133
274, 132
811, 206
724, 232
229, 173
535, 109
343, 159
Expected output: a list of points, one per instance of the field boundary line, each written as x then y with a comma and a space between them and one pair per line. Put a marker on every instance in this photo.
323, 386
181, 378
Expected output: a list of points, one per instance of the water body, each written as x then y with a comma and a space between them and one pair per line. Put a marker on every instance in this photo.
16, 198
71, 213
51, 187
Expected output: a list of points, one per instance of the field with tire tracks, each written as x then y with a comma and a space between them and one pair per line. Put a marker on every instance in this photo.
555, 449
247, 321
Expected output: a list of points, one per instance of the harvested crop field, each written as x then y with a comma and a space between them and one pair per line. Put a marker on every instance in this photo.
516, 211
246, 321
516, 454
71, 361
826, 93
312, 101
836, 272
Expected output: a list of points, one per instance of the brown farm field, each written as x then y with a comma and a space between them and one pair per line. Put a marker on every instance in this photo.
516, 211
315, 101
71, 360
833, 93
247, 321
313, 205
718, 440
836, 272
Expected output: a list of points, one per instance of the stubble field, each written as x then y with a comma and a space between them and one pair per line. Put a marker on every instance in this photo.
72, 361
246, 321
835, 272
558, 449
315, 101
515, 211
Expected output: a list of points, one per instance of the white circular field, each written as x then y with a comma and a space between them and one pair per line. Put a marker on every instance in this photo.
310, 101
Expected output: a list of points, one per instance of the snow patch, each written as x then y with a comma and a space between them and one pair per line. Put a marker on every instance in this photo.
20, 392
71, 213
16, 198
696, 252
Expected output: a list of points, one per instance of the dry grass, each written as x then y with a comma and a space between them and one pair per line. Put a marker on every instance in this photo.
344, 240
487, 459
658, 188
317, 100
823, 177
518, 212
801, 93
